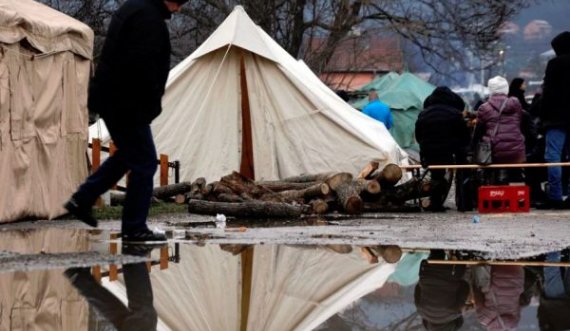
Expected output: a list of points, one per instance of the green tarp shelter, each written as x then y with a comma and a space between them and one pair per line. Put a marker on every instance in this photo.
405, 95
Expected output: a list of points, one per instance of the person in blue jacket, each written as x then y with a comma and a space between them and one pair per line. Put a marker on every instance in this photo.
378, 110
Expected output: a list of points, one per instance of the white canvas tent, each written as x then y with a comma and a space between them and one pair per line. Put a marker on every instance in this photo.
45, 60
240, 102
267, 287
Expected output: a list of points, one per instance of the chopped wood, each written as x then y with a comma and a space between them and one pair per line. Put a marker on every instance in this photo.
180, 199
319, 206
161, 192
315, 191
390, 175
368, 255
248, 209
278, 186
425, 203
370, 186
171, 190
219, 188
349, 198
229, 197
309, 178
390, 253
412, 189
239, 183
368, 170
335, 180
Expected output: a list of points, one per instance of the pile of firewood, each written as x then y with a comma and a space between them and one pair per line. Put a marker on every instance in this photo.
373, 190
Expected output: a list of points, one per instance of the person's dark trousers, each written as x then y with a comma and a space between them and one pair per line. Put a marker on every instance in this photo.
440, 185
135, 152
555, 149
139, 315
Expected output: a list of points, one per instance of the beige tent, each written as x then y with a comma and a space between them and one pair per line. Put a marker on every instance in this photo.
45, 59
41, 300
266, 287
241, 102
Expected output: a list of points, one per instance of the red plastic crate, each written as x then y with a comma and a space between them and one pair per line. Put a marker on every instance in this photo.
504, 199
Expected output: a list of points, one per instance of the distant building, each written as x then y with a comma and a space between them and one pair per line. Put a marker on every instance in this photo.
359, 59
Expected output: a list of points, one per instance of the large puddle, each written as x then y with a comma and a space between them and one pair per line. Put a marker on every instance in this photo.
59, 279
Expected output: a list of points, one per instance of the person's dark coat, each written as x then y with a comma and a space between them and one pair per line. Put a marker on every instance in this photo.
441, 130
131, 74
440, 296
555, 111
508, 144
515, 90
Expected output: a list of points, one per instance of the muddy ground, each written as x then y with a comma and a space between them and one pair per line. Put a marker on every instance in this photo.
498, 236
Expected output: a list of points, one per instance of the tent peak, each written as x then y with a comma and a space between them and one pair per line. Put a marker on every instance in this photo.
238, 29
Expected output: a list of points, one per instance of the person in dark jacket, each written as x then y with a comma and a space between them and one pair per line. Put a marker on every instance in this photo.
517, 89
442, 109
507, 141
555, 114
441, 294
126, 92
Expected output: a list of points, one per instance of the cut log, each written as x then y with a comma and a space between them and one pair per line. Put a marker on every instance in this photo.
229, 197
220, 188
397, 195
319, 206
240, 184
309, 178
168, 191
369, 255
368, 170
180, 199
335, 180
349, 198
315, 191
425, 203
390, 253
248, 209
278, 186
370, 186
161, 193
390, 175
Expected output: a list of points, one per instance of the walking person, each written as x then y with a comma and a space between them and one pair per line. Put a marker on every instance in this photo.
555, 116
499, 122
126, 92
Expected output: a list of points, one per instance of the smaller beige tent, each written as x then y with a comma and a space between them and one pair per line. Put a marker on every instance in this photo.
241, 102
43, 299
45, 60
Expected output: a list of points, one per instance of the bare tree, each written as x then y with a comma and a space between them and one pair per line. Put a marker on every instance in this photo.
442, 30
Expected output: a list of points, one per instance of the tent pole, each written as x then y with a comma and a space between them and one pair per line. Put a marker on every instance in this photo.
246, 279
246, 165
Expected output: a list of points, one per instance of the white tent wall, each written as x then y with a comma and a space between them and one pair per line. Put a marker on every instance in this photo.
45, 60
292, 288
